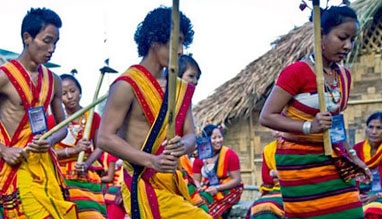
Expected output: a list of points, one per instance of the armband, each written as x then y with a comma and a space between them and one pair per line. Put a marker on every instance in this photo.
67, 152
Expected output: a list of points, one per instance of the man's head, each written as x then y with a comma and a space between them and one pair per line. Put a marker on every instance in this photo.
156, 28
37, 19
40, 33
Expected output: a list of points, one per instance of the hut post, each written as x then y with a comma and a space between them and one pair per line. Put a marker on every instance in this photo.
252, 146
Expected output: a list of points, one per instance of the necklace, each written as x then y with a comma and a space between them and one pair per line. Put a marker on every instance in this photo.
334, 88
334, 92
76, 129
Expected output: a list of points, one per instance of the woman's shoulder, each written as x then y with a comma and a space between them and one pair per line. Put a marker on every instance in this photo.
230, 151
297, 66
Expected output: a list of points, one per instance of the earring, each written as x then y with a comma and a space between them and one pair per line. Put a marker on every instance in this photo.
80, 96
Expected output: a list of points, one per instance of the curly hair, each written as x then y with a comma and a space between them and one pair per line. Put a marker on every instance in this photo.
156, 27
38, 18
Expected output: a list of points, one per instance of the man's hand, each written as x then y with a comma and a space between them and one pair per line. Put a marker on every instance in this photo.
175, 147
165, 163
38, 146
13, 156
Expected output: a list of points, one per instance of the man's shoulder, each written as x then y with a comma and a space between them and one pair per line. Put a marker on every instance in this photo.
3, 78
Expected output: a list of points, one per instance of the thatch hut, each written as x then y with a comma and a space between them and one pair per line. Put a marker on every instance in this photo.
237, 103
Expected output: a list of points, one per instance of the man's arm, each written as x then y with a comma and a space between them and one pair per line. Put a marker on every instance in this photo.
58, 112
189, 136
181, 145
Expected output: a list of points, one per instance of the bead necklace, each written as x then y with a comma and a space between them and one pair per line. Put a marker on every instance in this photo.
334, 90
334, 87
76, 129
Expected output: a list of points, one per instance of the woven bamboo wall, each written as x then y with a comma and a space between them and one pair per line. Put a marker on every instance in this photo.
238, 137
365, 96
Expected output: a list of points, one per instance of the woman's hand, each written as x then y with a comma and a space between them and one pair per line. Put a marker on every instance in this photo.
81, 145
321, 122
365, 199
213, 190
81, 168
274, 175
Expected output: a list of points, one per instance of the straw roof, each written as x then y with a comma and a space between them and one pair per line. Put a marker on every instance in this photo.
247, 91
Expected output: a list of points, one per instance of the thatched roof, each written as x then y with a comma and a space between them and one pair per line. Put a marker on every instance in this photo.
246, 91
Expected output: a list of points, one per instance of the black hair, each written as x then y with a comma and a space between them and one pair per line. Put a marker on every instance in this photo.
156, 27
376, 115
208, 129
334, 16
37, 19
71, 77
184, 62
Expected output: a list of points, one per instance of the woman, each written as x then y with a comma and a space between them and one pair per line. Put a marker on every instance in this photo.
370, 151
311, 185
190, 72
270, 204
218, 178
189, 69
82, 179
112, 181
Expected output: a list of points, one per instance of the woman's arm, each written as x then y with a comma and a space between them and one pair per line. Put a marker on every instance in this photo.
109, 177
271, 117
235, 181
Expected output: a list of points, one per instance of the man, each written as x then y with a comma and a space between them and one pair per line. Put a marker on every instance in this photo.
30, 184
134, 125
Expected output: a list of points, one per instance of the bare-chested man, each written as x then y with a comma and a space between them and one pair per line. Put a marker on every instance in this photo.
29, 184
134, 126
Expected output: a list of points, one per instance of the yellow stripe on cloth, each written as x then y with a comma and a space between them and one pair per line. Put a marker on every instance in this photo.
42, 198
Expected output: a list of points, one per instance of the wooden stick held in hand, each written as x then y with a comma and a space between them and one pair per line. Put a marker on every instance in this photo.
89, 121
173, 69
319, 70
69, 119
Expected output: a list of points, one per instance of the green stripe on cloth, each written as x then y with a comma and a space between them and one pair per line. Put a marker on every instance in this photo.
312, 189
294, 160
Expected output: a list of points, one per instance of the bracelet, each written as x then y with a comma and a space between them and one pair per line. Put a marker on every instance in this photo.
379, 195
352, 152
217, 188
306, 127
67, 152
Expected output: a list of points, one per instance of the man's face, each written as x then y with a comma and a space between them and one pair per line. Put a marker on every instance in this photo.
164, 51
42, 47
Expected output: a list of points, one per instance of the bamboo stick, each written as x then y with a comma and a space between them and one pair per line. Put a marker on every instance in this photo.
173, 68
89, 121
69, 119
319, 70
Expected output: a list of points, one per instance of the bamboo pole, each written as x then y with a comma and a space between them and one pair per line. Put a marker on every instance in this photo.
89, 121
319, 70
69, 119
173, 68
